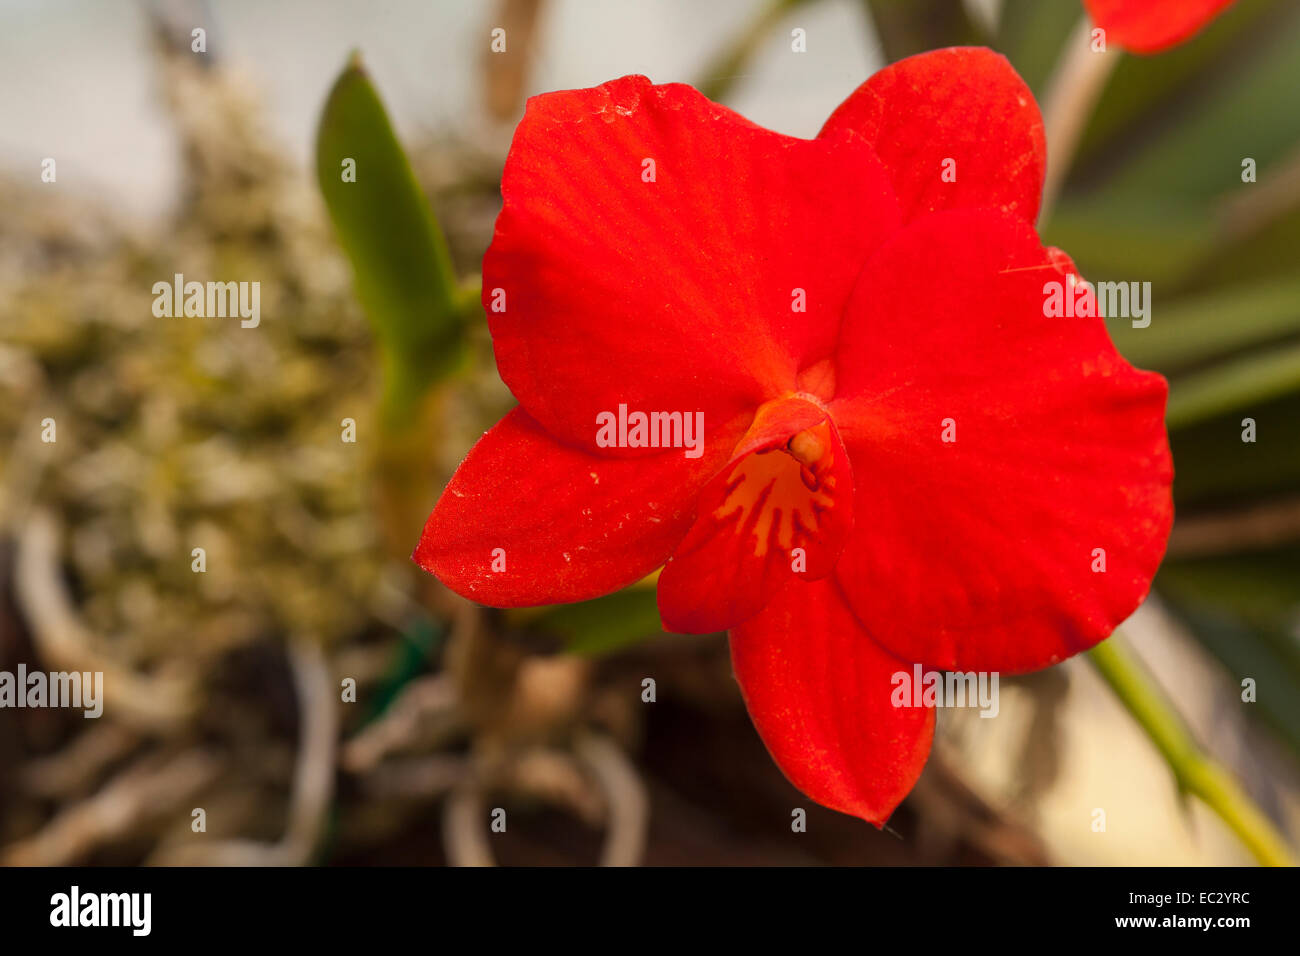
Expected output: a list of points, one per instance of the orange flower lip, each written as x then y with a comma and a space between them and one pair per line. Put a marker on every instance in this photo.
780, 510
779, 501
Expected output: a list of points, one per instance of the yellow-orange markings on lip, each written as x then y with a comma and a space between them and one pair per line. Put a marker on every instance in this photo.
781, 493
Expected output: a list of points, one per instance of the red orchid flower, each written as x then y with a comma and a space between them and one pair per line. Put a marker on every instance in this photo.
903, 460
1149, 26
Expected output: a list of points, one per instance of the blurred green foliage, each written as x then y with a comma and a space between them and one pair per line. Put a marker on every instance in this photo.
606, 624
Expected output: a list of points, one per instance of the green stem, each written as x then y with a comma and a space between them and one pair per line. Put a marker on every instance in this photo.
1195, 772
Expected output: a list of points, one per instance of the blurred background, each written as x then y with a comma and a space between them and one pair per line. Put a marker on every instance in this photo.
324, 702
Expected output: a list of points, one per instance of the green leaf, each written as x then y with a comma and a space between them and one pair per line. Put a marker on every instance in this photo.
606, 624
1267, 248
1234, 385
1154, 240
403, 272
1211, 326
1214, 467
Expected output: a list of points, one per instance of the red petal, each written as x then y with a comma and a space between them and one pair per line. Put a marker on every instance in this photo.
820, 691
780, 510
1149, 26
571, 525
677, 294
979, 553
965, 104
